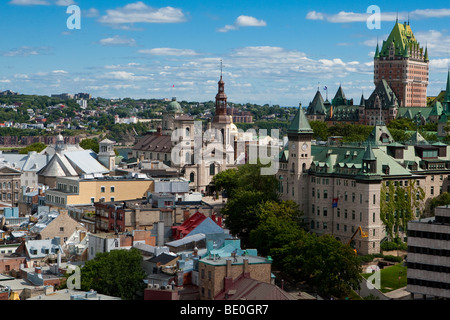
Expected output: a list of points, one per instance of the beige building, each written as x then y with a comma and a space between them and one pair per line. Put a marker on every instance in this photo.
87, 189
340, 188
217, 274
10, 182
60, 225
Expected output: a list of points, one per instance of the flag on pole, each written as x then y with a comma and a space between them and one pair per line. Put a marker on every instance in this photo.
335, 202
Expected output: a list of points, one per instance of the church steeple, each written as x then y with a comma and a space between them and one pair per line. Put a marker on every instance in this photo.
221, 104
446, 102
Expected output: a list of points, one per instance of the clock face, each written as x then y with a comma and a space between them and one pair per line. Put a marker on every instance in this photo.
304, 147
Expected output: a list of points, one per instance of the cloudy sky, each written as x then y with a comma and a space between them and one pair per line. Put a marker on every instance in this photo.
275, 52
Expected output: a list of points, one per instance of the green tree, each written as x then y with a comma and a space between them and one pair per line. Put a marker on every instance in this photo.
116, 273
326, 264
38, 147
441, 200
320, 129
398, 204
90, 144
278, 225
246, 177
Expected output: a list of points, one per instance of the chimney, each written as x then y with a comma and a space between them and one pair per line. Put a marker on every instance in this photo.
228, 280
159, 131
246, 268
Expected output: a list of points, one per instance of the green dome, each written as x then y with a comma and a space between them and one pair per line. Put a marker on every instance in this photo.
174, 107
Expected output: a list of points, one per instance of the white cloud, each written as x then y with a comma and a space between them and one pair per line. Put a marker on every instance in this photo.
243, 21
122, 75
64, 3
349, 17
313, 15
29, 2
118, 41
440, 64
169, 52
438, 42
430, 13
91, 13
25, 51
139, 12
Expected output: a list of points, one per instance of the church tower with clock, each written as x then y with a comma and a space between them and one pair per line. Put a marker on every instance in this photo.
296, 161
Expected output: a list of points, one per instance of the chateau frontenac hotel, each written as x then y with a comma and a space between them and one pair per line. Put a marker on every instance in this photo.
401, 78
379, 184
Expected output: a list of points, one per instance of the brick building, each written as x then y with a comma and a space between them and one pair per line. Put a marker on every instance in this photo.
404, 64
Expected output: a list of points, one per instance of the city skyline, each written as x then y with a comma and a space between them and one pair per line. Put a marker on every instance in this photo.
275, 53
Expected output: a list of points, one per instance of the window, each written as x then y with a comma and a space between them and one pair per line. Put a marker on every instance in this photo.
192, 177
113, 189
212, 169
325, 211
325, 194
61, 229
102, 189
92, 200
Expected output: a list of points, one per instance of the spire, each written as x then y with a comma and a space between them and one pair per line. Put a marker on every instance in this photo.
363, 101
300, 123
221, 104
377, 52
406, 52
425, 57
369, 155
447, 93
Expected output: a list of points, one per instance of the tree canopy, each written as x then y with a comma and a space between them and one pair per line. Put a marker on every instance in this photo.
116, 273
38, 147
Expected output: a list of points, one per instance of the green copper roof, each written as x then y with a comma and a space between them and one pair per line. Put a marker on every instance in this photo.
426, 55
436, 109
317, 106
339, 98
402, 38
369, 155
447, 89
300, 124
377, 52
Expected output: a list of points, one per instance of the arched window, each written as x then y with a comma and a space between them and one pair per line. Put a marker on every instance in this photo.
188, 132
188, 158
304, 167
192, 177
212, 169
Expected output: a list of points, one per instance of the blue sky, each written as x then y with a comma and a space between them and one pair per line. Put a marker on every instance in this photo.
275, 52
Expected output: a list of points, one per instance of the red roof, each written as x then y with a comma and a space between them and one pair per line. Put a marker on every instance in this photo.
188, 225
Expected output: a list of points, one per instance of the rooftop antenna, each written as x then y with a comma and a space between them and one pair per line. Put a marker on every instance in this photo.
396, 20
221, 68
